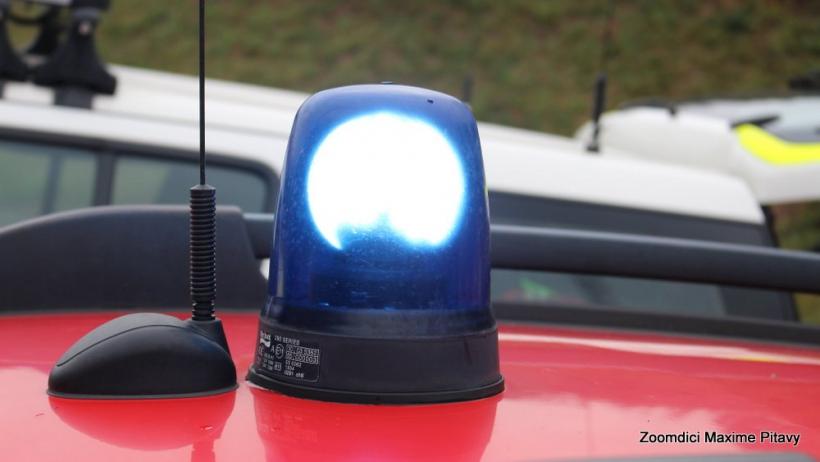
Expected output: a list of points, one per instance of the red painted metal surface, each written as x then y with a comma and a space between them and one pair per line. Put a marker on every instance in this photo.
570, 394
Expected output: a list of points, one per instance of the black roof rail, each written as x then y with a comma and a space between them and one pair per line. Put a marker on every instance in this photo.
650, 257
126, 256
120, 257
628, 255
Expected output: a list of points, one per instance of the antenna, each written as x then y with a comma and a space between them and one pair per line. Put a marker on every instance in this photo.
599, 95
467, 86
158, 355
598, 106
203, 212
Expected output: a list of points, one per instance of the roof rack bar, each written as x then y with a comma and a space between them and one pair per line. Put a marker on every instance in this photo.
687, 260
628, 255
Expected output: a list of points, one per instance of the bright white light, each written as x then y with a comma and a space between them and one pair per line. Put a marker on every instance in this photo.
386, 172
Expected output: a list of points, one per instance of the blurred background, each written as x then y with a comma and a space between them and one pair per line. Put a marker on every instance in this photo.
532, 62
524, 63
529, 63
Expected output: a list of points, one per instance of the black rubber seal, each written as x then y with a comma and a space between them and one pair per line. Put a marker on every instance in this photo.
392, 370
339, 396
200, 394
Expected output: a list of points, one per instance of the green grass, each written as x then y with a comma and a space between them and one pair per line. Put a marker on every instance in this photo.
533, 61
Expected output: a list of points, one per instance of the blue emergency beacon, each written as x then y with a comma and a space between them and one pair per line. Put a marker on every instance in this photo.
379, 277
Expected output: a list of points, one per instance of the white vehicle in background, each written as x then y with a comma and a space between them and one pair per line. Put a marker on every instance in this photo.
772, 143
138, 145
133, 146
71, 145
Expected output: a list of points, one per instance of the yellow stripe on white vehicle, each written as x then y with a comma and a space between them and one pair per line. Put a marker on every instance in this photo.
774, 150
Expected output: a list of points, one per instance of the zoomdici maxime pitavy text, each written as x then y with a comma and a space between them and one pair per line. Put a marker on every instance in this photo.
764, 437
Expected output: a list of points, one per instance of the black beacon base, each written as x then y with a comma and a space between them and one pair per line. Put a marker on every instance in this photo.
339, 368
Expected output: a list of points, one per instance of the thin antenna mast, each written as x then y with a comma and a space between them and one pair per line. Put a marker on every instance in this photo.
467, 86
202, 92
599, 102
203, 212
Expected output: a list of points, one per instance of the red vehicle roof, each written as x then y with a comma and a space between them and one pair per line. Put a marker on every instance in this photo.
570, 394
